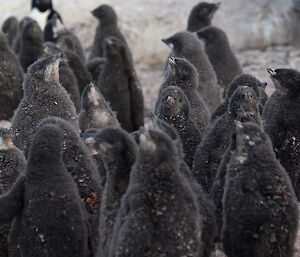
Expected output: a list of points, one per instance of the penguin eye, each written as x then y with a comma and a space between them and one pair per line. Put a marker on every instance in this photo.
204, 11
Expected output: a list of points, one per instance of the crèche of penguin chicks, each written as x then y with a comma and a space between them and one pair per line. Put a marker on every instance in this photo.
86, 171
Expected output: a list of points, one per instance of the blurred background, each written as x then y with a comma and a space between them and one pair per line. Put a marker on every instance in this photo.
263, 33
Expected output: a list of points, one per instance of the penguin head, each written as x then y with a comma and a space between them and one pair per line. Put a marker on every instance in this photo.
46, 144
182, 72
42, 5
91, 97
113, 47
155, 146
114, 144
50, 49
246, 137
65, 43
244, 104
174, 43
212, 35
288, 79
46, 69
173, 105
10, 25
32, 32
89, 139
249, 81
5, 139
201, 15
105, 14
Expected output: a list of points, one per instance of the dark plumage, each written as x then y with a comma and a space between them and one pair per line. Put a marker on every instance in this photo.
30, 45
244, 106
89, 139
120, 86
80, 71
10, 29
17, 40
43, 97
201, 16
108, 27
242, 80
11, 77
182, 74
174, 108
159, 215
217, 188
281, 117
95, 111
12, 164
66, 75
55, 31
119, 152
185, 44
80, 165
260, 207
206, 207
222, 58
45, 6
45, 204
95, 66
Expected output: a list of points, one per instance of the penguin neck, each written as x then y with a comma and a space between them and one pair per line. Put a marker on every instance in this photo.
117, 179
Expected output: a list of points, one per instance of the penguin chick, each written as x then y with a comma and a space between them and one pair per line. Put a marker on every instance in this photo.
80, 165
260, 207
119, 152
43, 97
280, 117
31, 44
45, 204
11, 77
56, 31
95, 111
17, 40
183, 74
108, 27
242, 80
66, 75
243, 106
174, 108
10, 29
185, 44
159, 213
201, 15
120, 86
81, 72
222, 58
12, 165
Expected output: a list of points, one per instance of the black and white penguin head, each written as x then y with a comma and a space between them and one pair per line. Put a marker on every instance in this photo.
212, 35
182, 72
112, 144
173, 104
286, 78
244, 104
5, 139
202, 15
246, 138
106, 14
46, 69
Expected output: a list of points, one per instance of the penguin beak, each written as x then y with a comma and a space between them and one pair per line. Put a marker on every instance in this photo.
168, 42
170, 100
263, 84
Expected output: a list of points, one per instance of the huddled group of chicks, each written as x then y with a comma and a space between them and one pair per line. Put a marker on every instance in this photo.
86, 172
